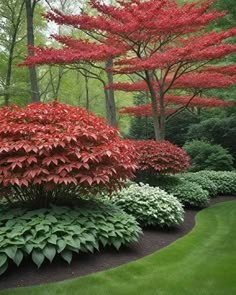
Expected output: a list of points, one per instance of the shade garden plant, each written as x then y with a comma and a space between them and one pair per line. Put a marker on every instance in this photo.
205, 182
190, 194
150, 206
225, 181
46, 233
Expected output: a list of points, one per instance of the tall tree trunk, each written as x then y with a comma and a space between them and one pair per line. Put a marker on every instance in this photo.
9, 73
156, 123
30, 41
110, 98
15, 27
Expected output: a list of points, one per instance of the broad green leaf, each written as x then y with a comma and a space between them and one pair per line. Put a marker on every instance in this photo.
37, 257
28, 248
49, 251
18, 257
53, 239
51, 218
116, 243
10, 251
104, 241
67, 256
61, 244
11, 222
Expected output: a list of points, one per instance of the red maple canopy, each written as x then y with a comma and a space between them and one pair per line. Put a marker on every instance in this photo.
163, 43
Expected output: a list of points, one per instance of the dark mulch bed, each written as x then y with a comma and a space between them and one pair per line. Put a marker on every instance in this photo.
152, 240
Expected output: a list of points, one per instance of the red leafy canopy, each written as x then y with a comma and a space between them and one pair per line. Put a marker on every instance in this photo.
171, 100
163, 157
157, 40
52, 144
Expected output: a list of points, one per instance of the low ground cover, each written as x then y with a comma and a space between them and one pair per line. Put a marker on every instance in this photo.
48, 232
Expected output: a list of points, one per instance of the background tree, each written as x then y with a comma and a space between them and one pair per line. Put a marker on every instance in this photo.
11, 14
160, 50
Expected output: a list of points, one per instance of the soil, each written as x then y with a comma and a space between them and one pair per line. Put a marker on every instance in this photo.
152, 240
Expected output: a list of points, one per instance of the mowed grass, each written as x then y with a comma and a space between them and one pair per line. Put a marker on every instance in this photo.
201, 263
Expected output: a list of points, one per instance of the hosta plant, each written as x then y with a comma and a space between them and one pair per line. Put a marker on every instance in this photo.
155, 158
190, 194
46, 233
205, 182
51, 150
225, 181
149, 205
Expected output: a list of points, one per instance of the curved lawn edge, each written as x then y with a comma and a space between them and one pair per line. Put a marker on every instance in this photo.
202, 262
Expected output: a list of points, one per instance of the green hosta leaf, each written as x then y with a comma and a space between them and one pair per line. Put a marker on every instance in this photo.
42, 227
53, 239
3, 268
90, 247
10, 251
116, 244
28, 248
51, 218
37, 257
61, 244
103, 240
49, 251
67, 256
18, 257
3, 259
11, 222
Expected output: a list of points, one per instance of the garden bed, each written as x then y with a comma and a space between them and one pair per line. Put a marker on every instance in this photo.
152, 240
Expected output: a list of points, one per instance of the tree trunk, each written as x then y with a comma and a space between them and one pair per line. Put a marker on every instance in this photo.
162, 115
110, 99
156, 123
86, 92
9, 72
30, 41
15, 28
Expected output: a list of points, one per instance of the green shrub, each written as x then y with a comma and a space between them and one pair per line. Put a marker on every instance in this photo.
206, 156
188, 193
206, 183
225, 181
45, 233
218, 131
149, 205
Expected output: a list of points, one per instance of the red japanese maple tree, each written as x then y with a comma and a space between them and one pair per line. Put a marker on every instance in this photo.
49, 151
164, 44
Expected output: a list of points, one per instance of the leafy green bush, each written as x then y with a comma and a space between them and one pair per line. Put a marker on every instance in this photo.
206, 156
149, 205
188, 193
225, 181
45, 233
218, 131
206, 183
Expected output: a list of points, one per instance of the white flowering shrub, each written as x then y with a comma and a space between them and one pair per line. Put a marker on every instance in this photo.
149, 205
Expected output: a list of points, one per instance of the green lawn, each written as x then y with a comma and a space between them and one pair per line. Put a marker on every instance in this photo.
201, 263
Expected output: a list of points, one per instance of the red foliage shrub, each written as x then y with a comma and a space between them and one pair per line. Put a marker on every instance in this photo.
162, 157
46, 149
